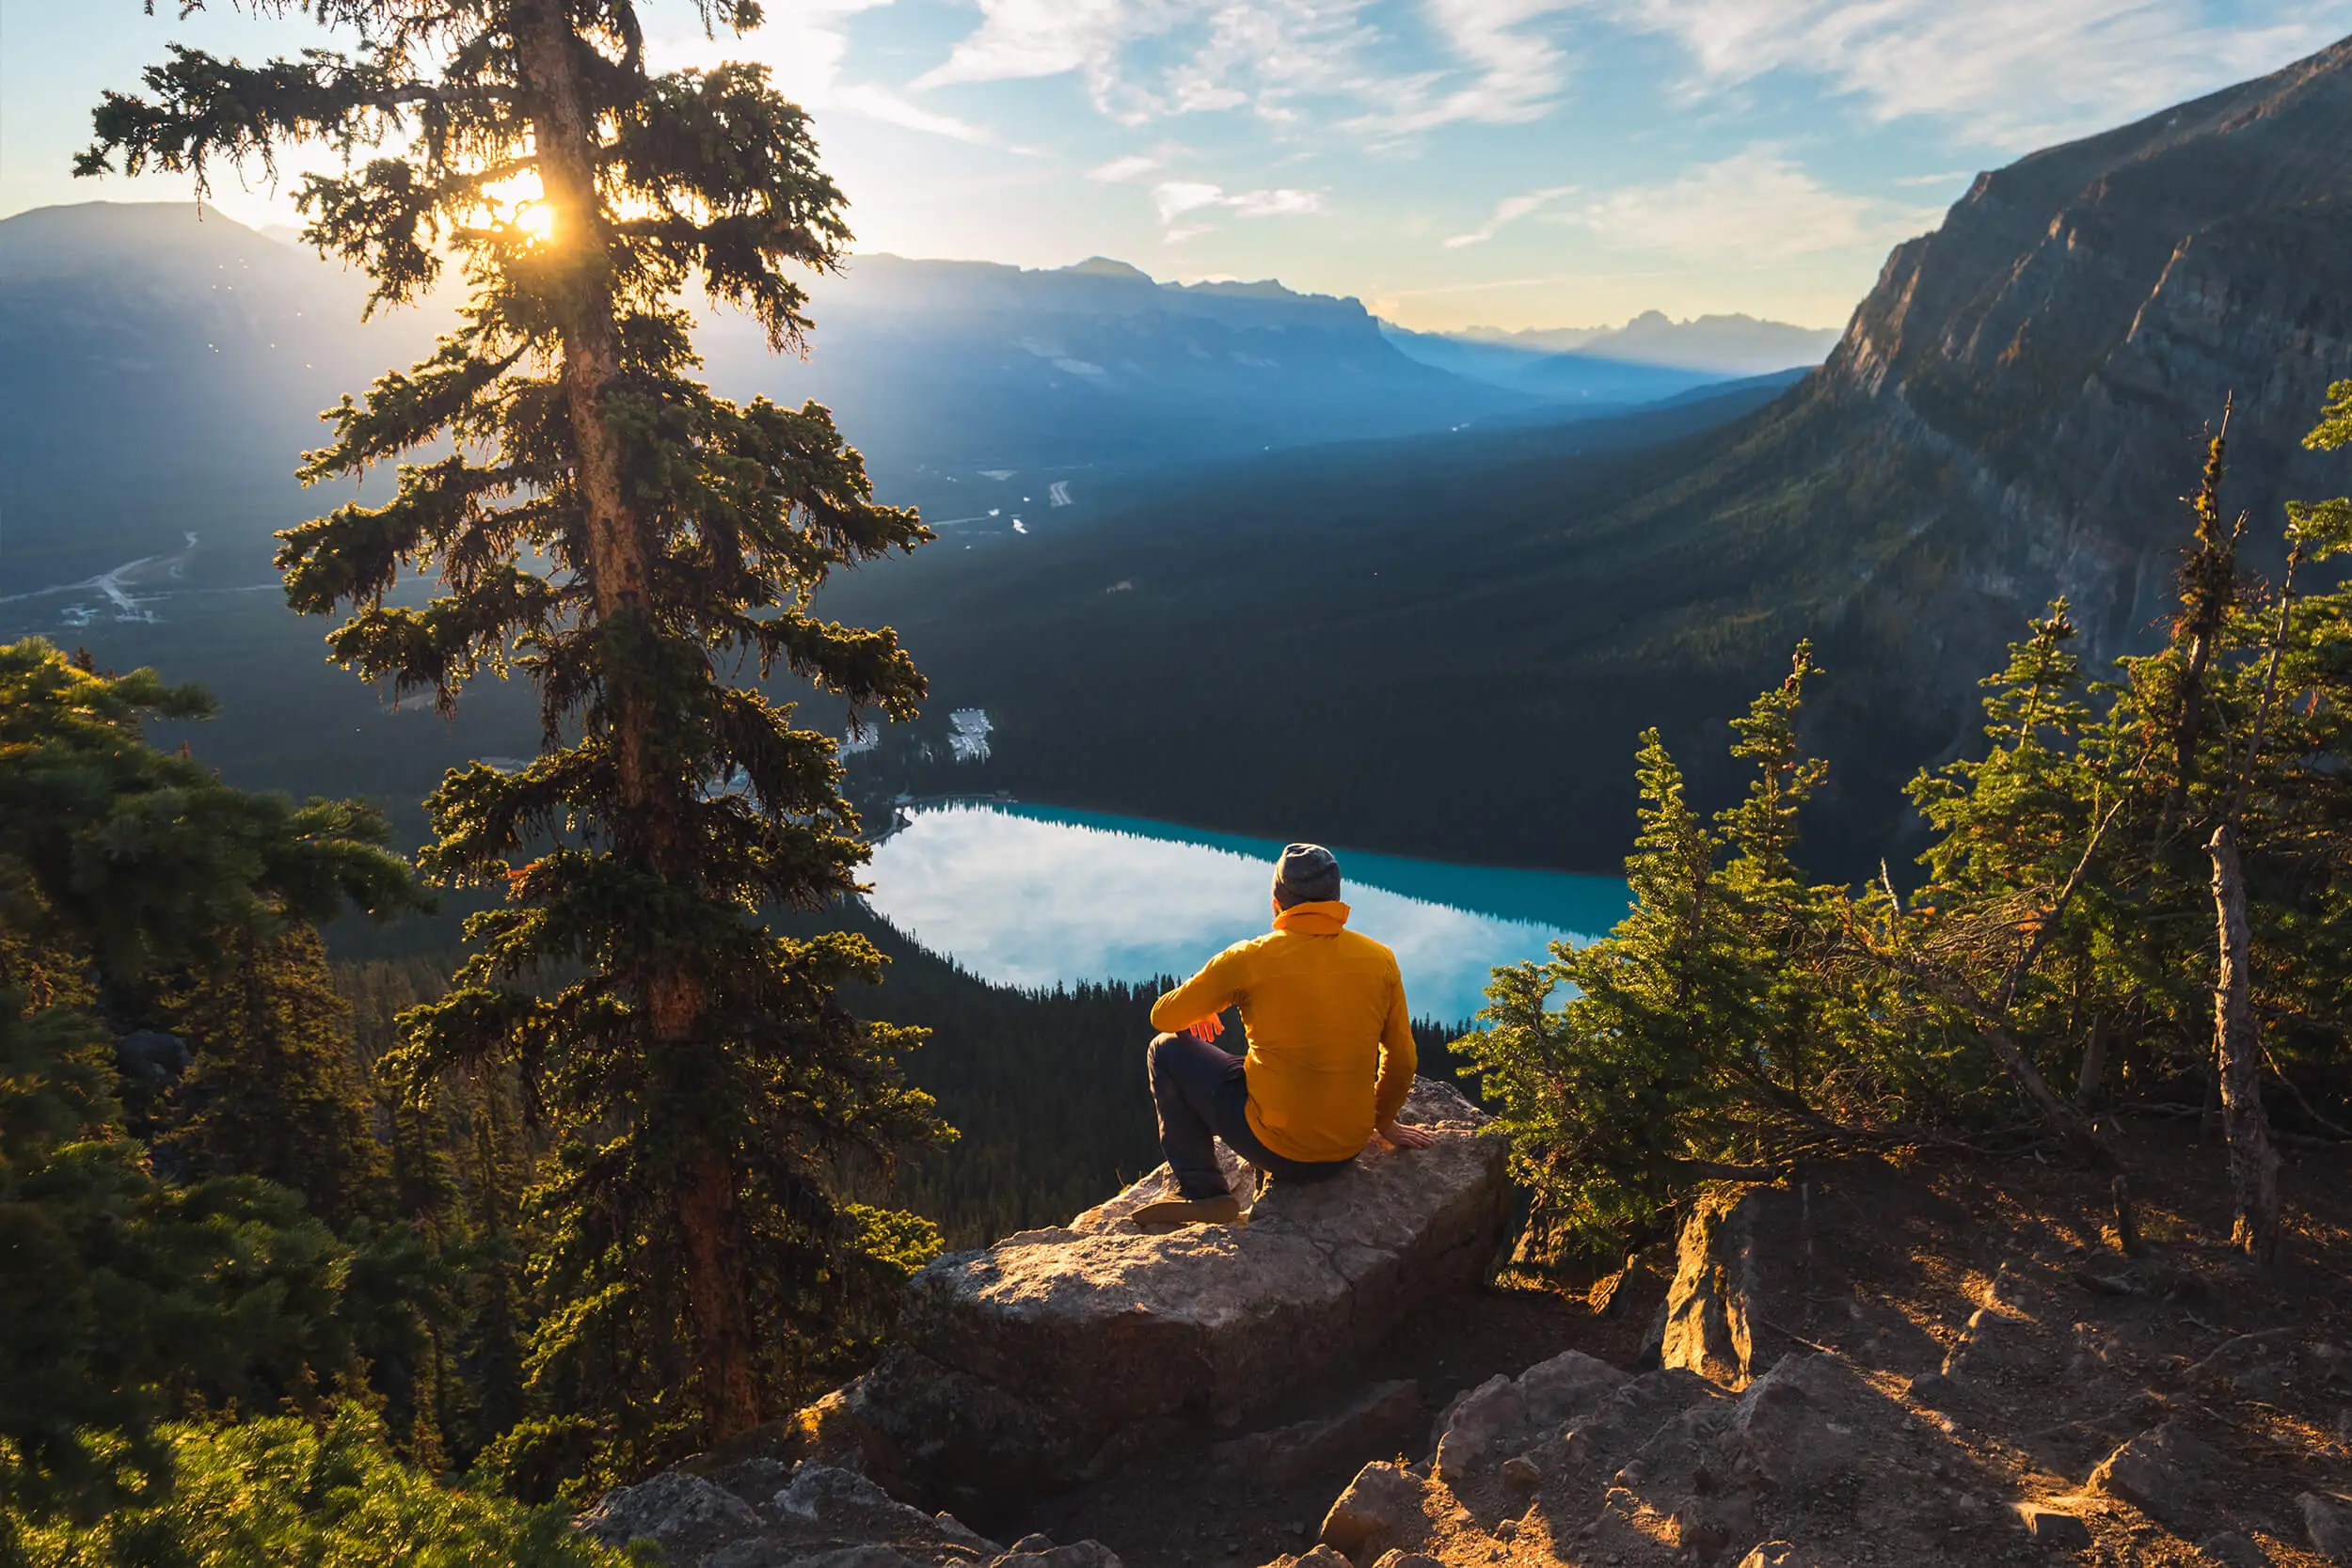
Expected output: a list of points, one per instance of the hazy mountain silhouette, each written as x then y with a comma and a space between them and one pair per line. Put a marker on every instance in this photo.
162, 373
1651, 356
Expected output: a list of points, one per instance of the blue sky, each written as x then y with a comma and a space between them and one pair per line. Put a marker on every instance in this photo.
1521, 163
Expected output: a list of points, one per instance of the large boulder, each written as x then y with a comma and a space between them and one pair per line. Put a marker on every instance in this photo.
2165, 1473
1046, 1358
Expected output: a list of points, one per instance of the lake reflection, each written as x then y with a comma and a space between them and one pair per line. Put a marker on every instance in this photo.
1024, 896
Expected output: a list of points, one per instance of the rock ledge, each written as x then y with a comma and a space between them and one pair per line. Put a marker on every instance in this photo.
1046, 1358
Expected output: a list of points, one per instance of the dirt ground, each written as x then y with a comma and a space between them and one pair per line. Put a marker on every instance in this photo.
2082, 1350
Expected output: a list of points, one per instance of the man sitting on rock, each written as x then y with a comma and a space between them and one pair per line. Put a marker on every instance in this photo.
1330, 1055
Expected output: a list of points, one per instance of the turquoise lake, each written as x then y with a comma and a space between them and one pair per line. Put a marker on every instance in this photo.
1031, 896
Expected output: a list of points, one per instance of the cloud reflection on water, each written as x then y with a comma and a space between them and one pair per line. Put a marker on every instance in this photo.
1029, 898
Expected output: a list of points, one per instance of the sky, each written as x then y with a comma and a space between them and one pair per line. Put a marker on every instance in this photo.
1451, 162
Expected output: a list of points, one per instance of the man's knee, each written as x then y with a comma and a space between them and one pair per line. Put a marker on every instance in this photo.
1156, 1056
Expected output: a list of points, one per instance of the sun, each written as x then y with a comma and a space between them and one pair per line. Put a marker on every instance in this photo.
520, 202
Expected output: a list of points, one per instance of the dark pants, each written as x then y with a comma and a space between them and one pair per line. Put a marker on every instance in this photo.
1202, 1095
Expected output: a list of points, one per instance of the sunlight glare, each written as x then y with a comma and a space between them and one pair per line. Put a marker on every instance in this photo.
520, 201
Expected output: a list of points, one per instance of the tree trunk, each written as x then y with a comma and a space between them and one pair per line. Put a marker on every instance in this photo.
729, 1394
565, 141
2070, 1124
2237, 1056
2094, 1070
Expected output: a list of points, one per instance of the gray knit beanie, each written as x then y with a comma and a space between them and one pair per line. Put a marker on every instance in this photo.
1308, 874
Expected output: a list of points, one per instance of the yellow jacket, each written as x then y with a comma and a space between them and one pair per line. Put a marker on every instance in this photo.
1323, 1011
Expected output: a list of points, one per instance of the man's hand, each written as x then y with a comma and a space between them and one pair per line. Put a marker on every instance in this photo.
1396, 1134
1207, 1030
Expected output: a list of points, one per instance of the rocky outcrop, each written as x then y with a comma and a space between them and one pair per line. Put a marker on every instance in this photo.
1051, 1354
1703, 1322
2163, 1472
759, 1513
1805, 1414
2328, 1525
1668, 1467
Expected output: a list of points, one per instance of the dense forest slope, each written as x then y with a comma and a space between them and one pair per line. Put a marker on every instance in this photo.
1475, 629
1374, 644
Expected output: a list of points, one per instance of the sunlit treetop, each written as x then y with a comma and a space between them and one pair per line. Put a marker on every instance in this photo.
699, 173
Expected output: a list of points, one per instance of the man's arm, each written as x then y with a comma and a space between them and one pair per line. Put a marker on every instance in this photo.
1208, 993
1399, 1061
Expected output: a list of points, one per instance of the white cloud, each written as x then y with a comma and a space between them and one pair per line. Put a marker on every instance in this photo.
1120, 170
803, 45
2015, 73
1507, 211
1277, 203
1176, 198
1516, 71
1754, 206
891, 109
1148, 59
1022, 38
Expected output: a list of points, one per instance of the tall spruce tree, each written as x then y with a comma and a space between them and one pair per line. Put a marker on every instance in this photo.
597, 520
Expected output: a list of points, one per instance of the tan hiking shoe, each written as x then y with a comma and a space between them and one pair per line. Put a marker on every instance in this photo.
1169, 1213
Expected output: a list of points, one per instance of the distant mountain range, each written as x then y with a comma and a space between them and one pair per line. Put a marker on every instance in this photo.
1730, 345
1651, 356
1481, 623
971, 364
160, 374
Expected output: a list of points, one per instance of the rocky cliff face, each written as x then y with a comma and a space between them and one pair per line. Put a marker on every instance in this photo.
2082, 316
2015, 409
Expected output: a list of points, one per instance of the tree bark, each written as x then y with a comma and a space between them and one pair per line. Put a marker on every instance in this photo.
728, 1393
2237, 1058
565, 141
2075, 1128
2213, 560
2094, 1068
